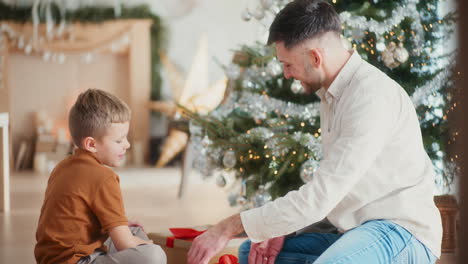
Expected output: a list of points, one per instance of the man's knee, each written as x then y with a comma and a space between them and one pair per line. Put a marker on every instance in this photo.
152, 254
244, 250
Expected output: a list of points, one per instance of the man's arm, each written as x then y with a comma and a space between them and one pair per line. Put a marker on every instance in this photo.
364, 127
215, 239
123, 238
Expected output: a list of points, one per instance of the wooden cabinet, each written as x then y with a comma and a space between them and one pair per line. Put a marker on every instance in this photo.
4, 164
449, 212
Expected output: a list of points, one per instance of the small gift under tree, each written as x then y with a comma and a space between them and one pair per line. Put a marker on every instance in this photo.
176, 243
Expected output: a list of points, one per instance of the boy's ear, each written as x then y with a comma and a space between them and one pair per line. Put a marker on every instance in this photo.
89, 144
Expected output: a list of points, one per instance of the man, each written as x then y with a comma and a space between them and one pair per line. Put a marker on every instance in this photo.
375, 182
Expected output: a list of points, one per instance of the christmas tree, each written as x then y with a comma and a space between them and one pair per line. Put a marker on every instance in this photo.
266, 134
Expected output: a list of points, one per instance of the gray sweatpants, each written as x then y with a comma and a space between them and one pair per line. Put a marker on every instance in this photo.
144, 254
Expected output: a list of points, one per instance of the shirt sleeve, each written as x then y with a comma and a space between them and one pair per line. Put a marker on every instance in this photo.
108, 204
366, 124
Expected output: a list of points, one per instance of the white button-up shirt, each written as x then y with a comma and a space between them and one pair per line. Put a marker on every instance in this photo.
374, 164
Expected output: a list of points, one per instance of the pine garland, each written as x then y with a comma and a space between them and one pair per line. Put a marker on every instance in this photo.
98, 15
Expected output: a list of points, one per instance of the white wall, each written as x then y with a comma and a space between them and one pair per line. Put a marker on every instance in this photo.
225, 30
220, 21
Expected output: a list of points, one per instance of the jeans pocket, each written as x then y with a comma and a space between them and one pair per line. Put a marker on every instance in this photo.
403, 257
414, 252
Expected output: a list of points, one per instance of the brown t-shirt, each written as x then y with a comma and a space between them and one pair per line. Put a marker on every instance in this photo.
82, 202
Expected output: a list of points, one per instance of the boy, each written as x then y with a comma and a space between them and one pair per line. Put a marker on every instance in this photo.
83, 204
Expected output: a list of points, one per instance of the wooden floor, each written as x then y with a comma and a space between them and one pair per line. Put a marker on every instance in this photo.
149, 196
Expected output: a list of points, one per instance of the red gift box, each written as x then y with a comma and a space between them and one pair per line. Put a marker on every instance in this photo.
176, 243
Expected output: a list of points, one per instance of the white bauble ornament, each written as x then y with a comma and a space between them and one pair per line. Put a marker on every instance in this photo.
46, 56
28, 49
261, 196
61, 58
207, 171
247, 83
232, 199
296, 87
21, 42
274, 68
241, 200
391, 46
380, 46
246, 15
388, 56
401, 54
221, 181
229, 159
266, 3
308, 170
259, 13
206, 141
233, 71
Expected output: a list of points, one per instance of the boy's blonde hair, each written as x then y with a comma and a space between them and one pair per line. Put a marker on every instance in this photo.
93, 112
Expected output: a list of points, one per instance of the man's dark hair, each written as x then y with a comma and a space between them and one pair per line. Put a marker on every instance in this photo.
303, 19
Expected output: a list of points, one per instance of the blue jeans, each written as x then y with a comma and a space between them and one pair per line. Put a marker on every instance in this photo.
374, 242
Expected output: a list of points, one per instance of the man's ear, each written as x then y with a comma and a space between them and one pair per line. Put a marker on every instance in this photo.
315, 58
89, 144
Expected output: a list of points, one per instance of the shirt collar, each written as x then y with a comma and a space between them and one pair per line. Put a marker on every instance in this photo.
321, 93
85, 154
342, 80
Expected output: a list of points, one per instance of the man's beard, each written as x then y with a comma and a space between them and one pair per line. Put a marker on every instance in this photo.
309, 86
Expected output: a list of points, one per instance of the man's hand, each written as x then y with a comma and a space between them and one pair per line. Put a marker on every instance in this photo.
266, 252
215, 239
207, 245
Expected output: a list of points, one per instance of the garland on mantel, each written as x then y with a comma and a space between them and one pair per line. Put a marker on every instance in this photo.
98, 14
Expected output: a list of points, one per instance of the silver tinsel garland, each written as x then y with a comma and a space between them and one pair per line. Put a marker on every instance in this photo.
359, 24
311, 142
422, 94
259, 105
380, 28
